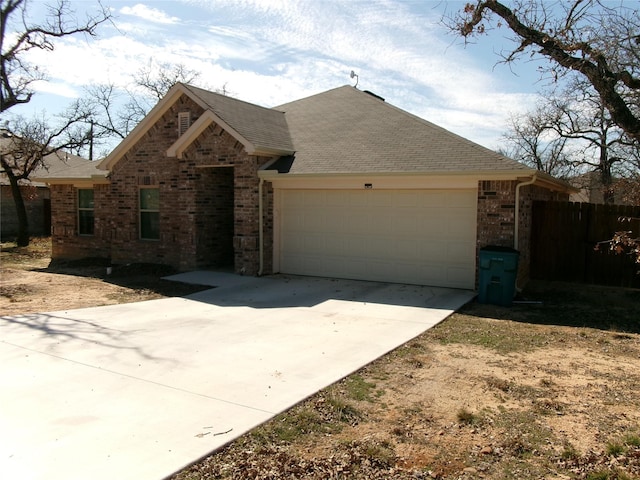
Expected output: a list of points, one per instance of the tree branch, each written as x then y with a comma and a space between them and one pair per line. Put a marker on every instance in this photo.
578, 56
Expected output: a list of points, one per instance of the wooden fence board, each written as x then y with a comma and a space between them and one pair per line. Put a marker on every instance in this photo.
564, 235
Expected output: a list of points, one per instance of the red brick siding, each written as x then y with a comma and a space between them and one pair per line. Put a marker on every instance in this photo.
208, 203
496, 210
214, 217
267, 227
216, 149
66, 243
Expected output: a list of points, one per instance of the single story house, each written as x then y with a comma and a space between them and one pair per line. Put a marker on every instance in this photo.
339, 184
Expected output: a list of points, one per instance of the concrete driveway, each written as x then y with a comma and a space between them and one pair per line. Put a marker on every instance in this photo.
138, 391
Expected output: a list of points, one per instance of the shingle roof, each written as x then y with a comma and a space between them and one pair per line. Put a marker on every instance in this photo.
264, 128
55, 165
346, 130
62, 165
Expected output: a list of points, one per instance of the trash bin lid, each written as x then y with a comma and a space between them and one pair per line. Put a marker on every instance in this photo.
498, 248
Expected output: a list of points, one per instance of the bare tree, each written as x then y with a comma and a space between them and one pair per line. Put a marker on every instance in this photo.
533, 140
18, 35
157, 79
29, 146
598, 144
32, 141
117, 110
570, 133
596, 40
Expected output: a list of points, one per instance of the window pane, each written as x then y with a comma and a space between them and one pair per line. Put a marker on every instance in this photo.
149, 199
150, 225
85, 198
85, 222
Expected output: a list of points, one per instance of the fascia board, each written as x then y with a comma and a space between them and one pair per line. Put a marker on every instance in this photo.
190, 135
147, 122
408, 180
545, 180
271, 152
206, 119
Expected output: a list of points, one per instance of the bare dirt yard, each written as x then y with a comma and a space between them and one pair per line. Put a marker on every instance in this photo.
547, 389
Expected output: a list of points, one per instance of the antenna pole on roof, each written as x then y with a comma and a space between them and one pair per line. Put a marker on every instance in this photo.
355, 75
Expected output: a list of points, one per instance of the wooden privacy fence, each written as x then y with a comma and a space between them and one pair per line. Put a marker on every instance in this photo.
564, 236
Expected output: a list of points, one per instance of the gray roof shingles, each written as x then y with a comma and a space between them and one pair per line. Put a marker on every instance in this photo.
264, 128
346, 130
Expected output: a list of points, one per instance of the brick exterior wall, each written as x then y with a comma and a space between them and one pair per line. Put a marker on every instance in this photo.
209, 206
496, 211
208, 203
66, 243
496, 217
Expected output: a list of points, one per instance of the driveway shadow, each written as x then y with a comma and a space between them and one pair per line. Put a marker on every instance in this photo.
57, 330
280, 291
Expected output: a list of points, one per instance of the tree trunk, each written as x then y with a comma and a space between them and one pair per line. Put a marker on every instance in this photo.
21, 210
606, 178
607, 183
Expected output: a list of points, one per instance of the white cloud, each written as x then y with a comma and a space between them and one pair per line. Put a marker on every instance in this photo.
272, 52
149, 14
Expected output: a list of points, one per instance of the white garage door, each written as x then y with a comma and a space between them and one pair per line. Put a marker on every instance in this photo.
424, 237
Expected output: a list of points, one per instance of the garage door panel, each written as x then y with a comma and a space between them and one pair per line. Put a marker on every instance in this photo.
461, 198
404, 222
435, 200
407, 249
294, 244
360, 223
464, 252
411, 236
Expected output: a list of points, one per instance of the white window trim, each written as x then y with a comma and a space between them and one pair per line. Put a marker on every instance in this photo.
86, 209
141, 211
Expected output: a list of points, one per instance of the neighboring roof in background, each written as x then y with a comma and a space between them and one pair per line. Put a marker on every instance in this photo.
55, 166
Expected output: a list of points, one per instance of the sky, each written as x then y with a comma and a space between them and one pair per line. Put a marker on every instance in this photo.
270, 52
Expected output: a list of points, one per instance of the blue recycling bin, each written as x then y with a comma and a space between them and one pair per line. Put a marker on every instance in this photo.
498, 270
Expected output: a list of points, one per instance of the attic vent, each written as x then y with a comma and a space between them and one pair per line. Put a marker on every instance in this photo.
184, 122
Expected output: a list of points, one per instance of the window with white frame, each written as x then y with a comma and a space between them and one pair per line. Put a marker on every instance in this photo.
85, 211
149, 213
